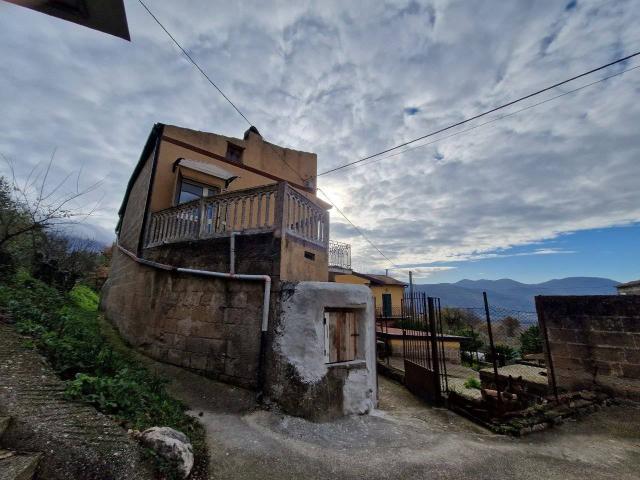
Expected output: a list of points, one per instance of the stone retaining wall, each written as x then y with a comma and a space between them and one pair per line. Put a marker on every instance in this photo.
205, 324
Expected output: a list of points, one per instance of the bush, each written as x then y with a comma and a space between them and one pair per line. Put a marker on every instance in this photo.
531, 340
473, 382
67, 330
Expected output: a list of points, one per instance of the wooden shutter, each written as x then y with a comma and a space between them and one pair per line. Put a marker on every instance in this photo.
341, 335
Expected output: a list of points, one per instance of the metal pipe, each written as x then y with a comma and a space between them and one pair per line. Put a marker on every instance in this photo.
207, 273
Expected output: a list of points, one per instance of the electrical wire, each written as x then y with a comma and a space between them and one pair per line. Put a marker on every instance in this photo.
467, 120
376, 160
195, 64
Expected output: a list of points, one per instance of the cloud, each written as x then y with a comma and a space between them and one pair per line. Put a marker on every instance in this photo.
345, 79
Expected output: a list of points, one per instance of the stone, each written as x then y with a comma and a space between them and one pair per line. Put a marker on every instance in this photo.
170, 444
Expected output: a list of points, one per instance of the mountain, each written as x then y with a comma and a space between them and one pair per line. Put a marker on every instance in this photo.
509, 294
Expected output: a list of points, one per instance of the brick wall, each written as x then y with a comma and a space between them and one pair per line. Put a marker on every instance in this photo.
206, 324
594, 341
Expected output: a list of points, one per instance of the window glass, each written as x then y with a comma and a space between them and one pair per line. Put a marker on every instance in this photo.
189, 191
234, 153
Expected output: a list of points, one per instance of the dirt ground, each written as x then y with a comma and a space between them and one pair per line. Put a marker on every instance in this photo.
403, 439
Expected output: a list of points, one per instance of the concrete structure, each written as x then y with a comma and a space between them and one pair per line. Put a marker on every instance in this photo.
301, 378
213, 251
593, 342
629, 288
387, 291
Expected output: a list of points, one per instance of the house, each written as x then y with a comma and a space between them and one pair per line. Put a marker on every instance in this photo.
629, 288
387, 291
221, 266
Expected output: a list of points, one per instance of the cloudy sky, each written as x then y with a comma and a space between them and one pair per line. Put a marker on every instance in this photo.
550, 192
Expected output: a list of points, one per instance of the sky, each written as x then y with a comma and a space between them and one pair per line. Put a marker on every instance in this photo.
549, 192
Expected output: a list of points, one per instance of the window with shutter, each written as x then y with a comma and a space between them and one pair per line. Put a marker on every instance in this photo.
340, 336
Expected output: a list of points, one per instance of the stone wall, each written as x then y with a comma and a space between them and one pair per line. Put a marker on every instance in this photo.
298, 379
205, 324
594, 341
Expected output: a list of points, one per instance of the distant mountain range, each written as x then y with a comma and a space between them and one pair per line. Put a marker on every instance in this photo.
506, 293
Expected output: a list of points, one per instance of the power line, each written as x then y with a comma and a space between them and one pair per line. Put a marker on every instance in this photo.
376, 160
194, 62
358, 229
467, 120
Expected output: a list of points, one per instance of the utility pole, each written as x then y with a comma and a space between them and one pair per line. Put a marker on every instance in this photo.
411, 283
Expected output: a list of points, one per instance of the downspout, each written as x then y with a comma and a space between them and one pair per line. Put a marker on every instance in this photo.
231, 276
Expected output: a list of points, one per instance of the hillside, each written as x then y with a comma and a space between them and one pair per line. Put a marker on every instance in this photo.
514, 295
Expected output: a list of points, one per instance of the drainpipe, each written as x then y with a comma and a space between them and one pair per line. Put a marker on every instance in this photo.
231, 276
232, 252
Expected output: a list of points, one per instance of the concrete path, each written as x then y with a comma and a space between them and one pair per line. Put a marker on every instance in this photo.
404, 439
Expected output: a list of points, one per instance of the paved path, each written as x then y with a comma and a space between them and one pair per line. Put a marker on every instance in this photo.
404, 439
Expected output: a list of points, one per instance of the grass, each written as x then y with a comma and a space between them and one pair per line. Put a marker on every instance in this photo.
473, 382
67, 330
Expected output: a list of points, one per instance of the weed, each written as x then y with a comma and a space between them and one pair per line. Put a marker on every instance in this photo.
473, 382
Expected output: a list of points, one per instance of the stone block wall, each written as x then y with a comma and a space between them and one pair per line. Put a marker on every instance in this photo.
594, 341
205, 324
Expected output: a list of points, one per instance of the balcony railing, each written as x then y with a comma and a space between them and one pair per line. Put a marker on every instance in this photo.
339, 255
274, 208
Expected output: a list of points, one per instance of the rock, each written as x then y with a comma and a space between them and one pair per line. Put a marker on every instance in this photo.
170, 444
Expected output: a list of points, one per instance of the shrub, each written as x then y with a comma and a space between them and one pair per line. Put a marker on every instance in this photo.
67, 330
531, 340
473, 382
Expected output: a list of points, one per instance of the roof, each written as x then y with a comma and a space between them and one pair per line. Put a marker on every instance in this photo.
207, 168
634, 283
380, 279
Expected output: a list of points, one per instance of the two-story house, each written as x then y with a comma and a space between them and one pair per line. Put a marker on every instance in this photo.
221, 266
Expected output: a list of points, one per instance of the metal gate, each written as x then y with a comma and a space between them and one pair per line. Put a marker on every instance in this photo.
425, 370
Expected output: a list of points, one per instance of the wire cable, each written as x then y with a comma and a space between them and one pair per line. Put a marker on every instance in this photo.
469, 119
376, 160
195, 64
358, 229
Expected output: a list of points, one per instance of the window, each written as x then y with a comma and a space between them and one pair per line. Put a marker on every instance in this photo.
309, 255
340, 336
234, 152
192, 191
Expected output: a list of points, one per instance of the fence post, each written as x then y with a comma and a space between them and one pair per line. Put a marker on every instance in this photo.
542, 325
435, 364
494, 359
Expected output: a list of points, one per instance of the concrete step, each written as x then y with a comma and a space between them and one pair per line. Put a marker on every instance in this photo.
18, 466
4, 423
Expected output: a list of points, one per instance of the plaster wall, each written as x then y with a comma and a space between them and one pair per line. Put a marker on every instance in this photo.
257, 154
297, 376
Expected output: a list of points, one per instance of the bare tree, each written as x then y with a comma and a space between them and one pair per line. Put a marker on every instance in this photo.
33, 205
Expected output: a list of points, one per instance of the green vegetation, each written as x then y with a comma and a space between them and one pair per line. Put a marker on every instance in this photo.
531, 340
473, 382
66, 328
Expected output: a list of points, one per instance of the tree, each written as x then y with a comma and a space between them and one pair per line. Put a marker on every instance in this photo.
531, 340
510, 326
33, 206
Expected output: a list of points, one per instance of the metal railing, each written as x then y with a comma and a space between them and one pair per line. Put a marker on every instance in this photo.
274, 208
339, 255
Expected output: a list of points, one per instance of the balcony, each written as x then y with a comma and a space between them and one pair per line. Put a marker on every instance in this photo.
339, 256
276, 208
